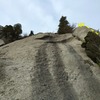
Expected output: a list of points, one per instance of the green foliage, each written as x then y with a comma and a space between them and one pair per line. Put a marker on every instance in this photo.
99, 64
17, 30
10, 33
92, 46
64, 26
1, 28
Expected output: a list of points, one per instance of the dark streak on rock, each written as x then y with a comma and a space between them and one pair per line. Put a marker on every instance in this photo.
43, 81
62, 77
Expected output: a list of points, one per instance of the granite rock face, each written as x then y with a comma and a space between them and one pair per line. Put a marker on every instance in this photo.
36, 69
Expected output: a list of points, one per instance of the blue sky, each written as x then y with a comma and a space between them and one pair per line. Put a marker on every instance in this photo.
44, 15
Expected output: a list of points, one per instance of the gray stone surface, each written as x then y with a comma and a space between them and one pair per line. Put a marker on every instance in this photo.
81, 32
1, 42
33, 69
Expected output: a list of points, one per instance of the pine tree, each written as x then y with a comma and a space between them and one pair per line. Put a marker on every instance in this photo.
64, 26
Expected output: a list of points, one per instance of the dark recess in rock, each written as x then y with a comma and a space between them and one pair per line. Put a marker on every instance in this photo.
92, 46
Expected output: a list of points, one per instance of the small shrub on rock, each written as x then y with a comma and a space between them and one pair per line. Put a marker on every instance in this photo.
31, 33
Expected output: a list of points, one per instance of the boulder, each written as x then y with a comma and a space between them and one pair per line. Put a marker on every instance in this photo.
81, 32
44, 36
